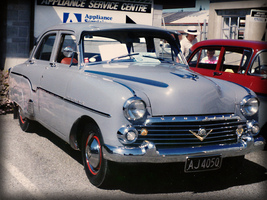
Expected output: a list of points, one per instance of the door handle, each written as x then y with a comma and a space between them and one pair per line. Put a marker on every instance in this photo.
217, 73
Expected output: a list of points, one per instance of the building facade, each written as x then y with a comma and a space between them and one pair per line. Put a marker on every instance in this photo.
225, 19
23, 21
238, 20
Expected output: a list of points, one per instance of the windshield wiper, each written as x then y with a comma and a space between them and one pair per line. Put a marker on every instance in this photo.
119, 57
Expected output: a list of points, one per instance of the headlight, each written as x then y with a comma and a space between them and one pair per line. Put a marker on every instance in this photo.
249, 105
134, 109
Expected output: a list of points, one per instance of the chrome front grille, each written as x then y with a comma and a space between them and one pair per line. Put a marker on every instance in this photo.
177, 131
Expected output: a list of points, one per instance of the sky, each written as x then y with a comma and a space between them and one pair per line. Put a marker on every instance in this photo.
204, 4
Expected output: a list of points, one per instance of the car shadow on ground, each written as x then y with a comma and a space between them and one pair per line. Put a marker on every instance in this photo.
168, 178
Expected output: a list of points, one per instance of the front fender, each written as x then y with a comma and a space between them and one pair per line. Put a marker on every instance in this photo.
101, 100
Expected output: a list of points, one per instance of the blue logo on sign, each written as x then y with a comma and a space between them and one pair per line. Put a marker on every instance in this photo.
72, 17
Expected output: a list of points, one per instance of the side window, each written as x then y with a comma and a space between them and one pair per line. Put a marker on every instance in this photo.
67, 47
259, 65
235, 60
45, 48
209, 58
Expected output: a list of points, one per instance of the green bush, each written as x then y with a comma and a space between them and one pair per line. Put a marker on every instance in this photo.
5, 103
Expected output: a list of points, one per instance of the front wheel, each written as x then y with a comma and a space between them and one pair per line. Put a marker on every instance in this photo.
96, 167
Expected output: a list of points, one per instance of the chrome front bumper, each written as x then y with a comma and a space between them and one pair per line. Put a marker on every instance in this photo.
149, 153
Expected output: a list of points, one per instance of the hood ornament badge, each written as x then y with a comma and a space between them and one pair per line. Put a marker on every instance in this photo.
190, 76
201, 134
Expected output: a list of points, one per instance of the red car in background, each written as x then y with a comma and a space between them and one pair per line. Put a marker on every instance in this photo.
239, 61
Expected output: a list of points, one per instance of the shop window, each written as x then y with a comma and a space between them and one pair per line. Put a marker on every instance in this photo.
233, 27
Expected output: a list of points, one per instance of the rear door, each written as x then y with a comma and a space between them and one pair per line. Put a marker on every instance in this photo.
37, 64
40, 59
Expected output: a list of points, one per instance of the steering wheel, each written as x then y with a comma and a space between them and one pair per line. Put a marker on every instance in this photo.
261, 69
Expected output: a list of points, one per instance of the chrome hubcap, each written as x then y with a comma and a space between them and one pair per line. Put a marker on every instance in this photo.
93, 153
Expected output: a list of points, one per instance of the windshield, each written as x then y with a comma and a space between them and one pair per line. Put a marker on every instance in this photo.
130, 46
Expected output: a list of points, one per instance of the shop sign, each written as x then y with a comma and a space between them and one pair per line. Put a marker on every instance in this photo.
259, 15
129, 6
79, 17
53, 12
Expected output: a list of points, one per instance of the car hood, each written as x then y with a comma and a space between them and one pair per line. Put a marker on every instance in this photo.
170, 90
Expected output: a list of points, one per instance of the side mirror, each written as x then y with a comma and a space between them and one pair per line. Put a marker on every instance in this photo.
68, 51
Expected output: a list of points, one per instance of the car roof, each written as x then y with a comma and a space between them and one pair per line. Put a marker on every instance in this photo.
230, 42
80, 27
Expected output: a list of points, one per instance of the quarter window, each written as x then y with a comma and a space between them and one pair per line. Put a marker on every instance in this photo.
45, 49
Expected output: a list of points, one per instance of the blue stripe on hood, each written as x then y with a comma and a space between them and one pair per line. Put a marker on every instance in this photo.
131, 78
248, 90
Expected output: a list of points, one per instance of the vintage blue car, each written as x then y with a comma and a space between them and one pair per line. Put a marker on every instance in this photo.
113, 92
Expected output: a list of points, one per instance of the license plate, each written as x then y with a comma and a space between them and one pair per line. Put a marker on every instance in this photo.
194, 164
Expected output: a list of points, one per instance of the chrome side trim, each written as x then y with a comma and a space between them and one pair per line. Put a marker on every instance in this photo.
77, 103
67, 99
